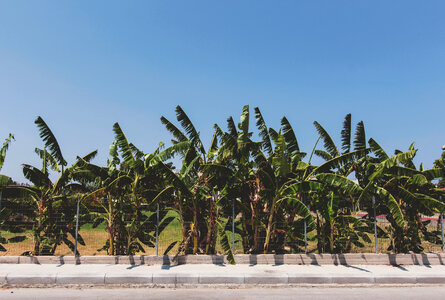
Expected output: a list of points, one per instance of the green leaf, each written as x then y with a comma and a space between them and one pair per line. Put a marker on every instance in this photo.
124, 145
346, 134
340, 160
430, 202
48, 159
244, 125
301, 209
360, 137
4, 148
263, 132
185, 122
36, 176
377, 150
4, 180
340, 183
301, 187
392, 205
171, 151
289, 136
50, 141
391, 162
231, 127
177, 133
224, 240
434, 173
323, 154
329, 144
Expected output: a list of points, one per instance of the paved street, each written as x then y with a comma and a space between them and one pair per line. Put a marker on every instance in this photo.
313, 293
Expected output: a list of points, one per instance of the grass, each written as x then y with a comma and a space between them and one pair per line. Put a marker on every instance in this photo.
95, 238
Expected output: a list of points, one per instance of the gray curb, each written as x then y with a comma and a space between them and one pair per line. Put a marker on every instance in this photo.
194, 279
249, 259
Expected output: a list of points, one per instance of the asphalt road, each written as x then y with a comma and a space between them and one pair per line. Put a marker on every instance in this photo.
313, 293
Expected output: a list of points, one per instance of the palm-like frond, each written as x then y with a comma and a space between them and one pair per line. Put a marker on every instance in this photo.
48, 159
377, 149
301, 209
175, 180
431, 203
346, 134
338, 161
4, 148
391, 162
124, 145
171, 151
263, 132
392, 205
243, 125
328, 143
4, 180
289, 136
213, 149
360, 137
402, 171
36, 176
273, 134
323, 154
114, 160
309, 186
225, 240
84, 159
340, 183
231, 127
185, 122
177, 133
280, 159
434, 173
50, 140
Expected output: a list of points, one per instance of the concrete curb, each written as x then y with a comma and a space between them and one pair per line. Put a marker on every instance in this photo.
205, 279
250, 259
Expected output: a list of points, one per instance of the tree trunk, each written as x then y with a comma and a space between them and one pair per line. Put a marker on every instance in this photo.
269, 227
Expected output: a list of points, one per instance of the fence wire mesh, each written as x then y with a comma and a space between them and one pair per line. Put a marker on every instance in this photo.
284, 237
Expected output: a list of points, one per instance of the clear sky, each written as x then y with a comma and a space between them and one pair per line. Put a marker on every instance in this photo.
83, 65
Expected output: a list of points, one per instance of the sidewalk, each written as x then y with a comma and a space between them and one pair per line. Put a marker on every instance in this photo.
100, 274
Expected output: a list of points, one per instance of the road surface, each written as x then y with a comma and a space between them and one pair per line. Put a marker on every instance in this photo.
313, 293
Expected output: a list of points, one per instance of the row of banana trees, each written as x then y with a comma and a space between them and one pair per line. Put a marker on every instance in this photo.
274, 187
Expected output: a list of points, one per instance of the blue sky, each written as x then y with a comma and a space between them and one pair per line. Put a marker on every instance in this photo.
83, 65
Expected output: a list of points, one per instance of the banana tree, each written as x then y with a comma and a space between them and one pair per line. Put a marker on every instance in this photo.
338, 225
124, 194
9, 191
196, 196
51, 204
408, 194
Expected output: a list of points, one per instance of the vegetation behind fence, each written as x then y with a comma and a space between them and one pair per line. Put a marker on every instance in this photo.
266, 191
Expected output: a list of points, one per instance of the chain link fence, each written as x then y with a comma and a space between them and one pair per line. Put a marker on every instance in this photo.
297, 237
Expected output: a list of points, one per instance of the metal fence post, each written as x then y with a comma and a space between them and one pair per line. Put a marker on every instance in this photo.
305, 230
77, 226
441, 227
157, 229
375, 224
233, 226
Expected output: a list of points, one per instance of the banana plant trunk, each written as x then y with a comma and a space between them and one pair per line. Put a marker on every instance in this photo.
269, 227
195, 231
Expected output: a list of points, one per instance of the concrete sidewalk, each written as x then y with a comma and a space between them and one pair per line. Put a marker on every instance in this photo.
30, 274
